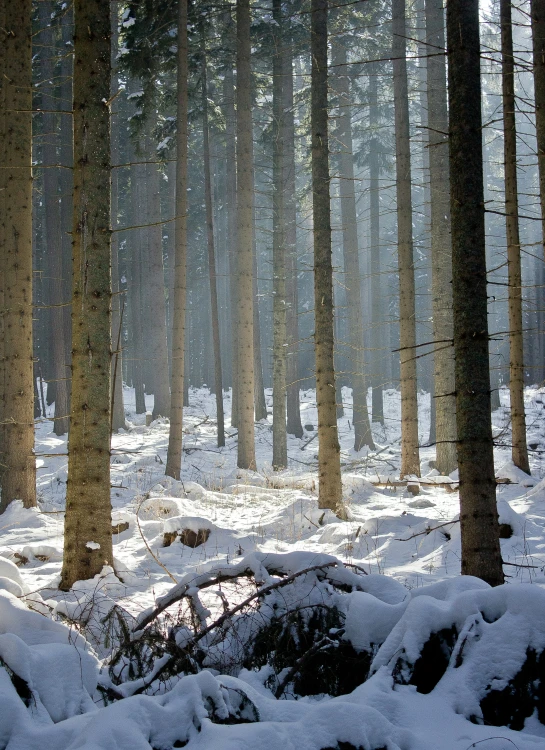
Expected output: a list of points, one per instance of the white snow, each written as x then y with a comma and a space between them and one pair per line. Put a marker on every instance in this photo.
408, 545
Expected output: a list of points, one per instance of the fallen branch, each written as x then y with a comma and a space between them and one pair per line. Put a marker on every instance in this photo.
428, 531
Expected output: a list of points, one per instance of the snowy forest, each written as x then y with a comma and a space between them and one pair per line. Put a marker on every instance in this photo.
272, 375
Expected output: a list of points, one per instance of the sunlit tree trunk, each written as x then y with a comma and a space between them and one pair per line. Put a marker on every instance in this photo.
352, 281
218, 378
174, 453
329, 463
19, 478
245, 254
410, 458
481, 554
444, 397
88, 528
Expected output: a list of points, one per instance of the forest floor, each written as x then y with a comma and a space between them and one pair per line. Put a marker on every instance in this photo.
390, 532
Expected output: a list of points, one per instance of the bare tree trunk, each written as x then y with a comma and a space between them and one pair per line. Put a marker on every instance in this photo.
53, 226
218, 379
280, 443
537, 8
410, 458
260, 406
118, 411
19, 478
3, 123
519, 450
156, 314
174, 454
245, 254
231, 203
352, 281
329, 463
481, 555
135, 289
441, 248
294, 426
88, 527
377, 319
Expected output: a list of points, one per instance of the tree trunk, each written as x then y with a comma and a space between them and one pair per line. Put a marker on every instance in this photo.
19, 478
294, 426
537, 8
231, 208
218, 379
519, 450
118, 411
156, 314
245, 254
260, 406
441, 248
410, 458
481, 554
52, 228
174, 454
377, 319
135, 287
88, 526
329, 454
280, 443
352, 281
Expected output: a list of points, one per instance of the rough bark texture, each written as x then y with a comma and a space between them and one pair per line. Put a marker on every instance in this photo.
519, 450
280, 443
245, 254
444, 398
478, 513
2, 227
410, 458
352, 280
218, 378
174, 453
329, 463
294, 426
537, 8
88, 507
19, 478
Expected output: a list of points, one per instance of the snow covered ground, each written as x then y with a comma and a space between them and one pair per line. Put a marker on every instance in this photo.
390, 534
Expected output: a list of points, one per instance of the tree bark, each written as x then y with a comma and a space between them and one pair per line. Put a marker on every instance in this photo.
156, 313
245, 254
519, 450
537, 9
481, 554
118, 411
280, 443
19, 478
174, 453
377, 318
294, 426
410, 458
352, 281
52, 229
218, 378
88, 527
329, 463
444, 397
